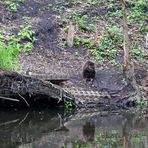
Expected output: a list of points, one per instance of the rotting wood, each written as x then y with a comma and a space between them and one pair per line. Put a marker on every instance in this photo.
54, 78
20, 85
14, 85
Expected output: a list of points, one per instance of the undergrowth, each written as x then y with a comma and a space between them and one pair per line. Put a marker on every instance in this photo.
12, 45
111, 40
12, 4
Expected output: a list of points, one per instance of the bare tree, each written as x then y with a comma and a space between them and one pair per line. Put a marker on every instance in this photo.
128, 65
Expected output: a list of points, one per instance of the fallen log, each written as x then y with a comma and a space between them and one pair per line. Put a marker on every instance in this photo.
28, 91
18, 90
54, 78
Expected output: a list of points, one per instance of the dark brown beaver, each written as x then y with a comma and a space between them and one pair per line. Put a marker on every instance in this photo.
89, 71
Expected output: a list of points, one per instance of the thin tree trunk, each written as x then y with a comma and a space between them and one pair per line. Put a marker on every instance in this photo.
128, 68
125, 37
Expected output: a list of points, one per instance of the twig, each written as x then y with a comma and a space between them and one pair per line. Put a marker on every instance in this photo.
9, 122
24, 100
24, 118
10, 99
61, 95
61, 123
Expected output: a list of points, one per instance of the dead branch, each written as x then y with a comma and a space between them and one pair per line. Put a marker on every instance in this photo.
10, 99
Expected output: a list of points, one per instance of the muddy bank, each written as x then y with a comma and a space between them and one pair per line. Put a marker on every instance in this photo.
22, 91
109, 90
51, 57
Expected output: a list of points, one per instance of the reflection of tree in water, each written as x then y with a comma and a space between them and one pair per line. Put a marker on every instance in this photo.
18, 128
125, 135
89, 131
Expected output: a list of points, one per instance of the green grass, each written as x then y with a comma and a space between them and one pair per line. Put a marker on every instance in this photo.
11, 46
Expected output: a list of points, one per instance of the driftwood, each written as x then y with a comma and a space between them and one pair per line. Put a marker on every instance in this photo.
27, 90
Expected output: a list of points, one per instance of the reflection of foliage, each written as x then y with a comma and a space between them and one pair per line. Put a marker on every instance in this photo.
109, 139
80, 145
113, 139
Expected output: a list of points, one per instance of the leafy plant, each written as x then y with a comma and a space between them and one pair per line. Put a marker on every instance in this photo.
109, 44
13, 7
83, 23
12, 4
26, 33
138, 12
68, 105
11, 46
77, 41
144, 103
92, 2
138, 53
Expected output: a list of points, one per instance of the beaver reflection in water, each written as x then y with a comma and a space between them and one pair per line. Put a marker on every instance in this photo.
89, 131
89, 71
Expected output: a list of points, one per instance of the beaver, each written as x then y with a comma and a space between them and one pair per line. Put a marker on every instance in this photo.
89, 71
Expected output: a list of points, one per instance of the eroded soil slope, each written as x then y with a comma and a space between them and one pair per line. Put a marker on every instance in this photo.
50, 55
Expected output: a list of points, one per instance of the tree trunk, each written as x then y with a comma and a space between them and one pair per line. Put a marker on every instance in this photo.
125, 37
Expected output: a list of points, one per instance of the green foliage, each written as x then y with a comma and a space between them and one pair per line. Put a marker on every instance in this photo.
138, 53
92, 2
12, 4
144, 103
26, 33
11, 46
109, 44
139, 11
80, 145
68, 105
77, 42
82, 22
84, 42
6, 55
28, 46
13, 7
108, 139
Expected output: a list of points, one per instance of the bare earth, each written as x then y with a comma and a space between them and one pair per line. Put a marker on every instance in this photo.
50, 55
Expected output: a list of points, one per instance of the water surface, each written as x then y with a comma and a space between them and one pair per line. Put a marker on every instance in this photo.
82, 129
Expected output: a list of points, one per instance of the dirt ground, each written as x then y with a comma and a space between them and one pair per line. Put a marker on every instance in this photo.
50, 55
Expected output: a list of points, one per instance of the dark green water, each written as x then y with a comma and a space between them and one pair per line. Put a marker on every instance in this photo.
83, 129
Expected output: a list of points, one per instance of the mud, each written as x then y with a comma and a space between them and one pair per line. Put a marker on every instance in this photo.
50, 55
